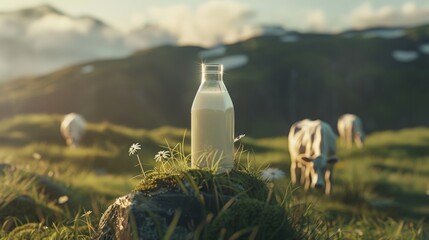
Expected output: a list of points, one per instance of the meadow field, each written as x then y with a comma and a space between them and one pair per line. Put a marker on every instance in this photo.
379, 192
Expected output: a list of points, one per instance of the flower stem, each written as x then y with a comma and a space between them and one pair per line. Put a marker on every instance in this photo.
270, 192
141, 166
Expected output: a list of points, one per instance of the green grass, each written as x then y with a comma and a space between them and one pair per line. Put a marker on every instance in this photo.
379, 192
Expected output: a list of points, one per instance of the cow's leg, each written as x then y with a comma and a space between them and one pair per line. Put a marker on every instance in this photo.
328, 184
292, 171
307, 177
302, 174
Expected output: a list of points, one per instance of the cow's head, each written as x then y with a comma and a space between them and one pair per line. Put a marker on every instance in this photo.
319, 171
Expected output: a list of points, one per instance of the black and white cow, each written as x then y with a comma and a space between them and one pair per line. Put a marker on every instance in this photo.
312, 147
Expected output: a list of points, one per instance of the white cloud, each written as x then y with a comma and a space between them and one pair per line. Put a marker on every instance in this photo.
316, 20
178, 17
149, 35
210, 23
82, 37
408, 14
409, 8
136, 20
42, 39
58, 23
47, 39
39, 42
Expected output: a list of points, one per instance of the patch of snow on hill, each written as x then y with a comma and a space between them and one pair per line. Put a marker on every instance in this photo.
87, 69
212, 52
384, 33
289, 38
272, 30
404, 55
424, 48
233, 61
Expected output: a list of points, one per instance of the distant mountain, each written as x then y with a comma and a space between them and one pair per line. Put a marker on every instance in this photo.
272, 82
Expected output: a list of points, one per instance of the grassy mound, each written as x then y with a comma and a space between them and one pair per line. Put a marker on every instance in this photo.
244, 204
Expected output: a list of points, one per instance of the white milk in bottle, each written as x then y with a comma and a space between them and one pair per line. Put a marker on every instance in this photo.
212, 122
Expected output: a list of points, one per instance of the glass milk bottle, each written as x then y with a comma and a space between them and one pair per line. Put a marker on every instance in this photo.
212, 122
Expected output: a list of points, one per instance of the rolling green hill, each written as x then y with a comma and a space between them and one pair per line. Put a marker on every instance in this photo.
318, 76
380, 191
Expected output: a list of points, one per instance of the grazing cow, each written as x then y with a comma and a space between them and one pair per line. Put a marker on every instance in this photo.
350, 130
312, 147
73, 128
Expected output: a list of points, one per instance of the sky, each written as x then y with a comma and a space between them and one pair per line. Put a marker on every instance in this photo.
304, 15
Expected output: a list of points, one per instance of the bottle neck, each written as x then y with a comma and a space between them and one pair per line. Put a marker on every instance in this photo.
212, 77
212, 72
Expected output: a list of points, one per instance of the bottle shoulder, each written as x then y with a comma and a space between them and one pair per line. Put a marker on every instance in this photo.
219, 100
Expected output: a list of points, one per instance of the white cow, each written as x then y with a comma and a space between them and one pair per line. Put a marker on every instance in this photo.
312, 147
73, 128
350, 130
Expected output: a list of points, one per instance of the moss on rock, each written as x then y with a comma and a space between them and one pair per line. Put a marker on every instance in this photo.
157, 182
232, 183
251, 216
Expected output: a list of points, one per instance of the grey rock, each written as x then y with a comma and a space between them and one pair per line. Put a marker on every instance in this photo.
141, 216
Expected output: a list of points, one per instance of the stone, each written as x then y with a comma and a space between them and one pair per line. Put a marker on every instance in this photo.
195, 206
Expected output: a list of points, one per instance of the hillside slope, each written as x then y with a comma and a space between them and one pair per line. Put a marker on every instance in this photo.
280, 80
380, 191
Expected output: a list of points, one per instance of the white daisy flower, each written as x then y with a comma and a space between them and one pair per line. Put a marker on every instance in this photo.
63, 199
37, 156
161, 156
133, 149
239, 137
271, 174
